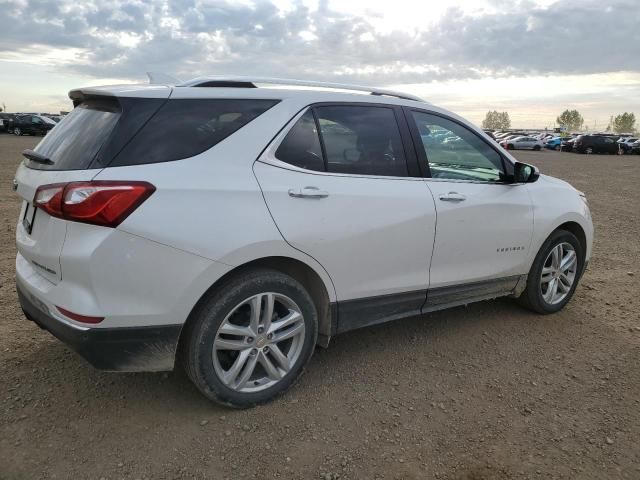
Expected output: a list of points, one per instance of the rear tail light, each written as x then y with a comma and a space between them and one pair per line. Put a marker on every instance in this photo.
105, 203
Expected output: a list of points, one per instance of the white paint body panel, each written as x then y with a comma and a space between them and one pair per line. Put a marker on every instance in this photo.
374, 235
556, 202
473, 234
43, 245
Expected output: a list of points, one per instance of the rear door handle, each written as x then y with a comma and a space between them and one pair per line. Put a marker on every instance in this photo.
308, 192
452, 197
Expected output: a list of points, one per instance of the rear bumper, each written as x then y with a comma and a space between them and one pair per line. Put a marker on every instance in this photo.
135, 349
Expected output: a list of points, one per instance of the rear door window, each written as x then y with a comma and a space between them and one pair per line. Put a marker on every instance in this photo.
362, 140
301, 146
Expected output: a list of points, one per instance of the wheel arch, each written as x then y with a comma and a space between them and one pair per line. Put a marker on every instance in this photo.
578, 231
298, 270
571, 226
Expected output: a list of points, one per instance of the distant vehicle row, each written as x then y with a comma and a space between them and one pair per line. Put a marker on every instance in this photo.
27, 123
588, 143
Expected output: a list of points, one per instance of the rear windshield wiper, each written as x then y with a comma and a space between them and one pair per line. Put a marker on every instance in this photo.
36, 157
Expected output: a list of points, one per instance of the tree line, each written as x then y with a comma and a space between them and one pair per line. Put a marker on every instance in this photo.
569, 120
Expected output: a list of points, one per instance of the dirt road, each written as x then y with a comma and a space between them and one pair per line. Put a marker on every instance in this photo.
485, 392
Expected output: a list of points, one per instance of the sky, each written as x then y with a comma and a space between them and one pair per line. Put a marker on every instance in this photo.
532, 58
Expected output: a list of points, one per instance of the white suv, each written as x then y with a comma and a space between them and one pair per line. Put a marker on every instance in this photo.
235, 227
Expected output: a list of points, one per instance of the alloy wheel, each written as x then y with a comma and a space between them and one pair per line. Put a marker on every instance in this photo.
558, 273
258, 342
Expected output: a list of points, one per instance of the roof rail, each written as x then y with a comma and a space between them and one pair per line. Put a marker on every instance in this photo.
250, 82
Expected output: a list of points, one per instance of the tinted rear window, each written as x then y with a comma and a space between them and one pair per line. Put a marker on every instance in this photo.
76, 140
186, 127
107, 131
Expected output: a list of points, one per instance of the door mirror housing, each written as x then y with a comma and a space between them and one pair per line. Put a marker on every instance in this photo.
525, 173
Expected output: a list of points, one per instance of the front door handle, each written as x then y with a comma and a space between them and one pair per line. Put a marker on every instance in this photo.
308, 192
452, 197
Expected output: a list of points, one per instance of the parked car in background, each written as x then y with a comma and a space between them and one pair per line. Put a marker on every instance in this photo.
522, 143
624, 144
134, 245
504, 135
31, 125
567, 144
635, 147
595, 144
490, 133
508, 137
553, 143
5, 121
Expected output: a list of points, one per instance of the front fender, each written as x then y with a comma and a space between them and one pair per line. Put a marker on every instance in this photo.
555, 203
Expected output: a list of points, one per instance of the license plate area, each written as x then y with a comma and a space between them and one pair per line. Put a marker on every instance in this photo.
29, 217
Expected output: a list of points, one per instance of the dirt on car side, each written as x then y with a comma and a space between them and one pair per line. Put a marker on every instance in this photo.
488, 391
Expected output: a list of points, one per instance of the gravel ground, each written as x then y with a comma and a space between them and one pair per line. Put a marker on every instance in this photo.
490, 391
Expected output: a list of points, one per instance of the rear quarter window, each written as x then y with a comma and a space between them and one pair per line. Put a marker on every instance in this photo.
183, 128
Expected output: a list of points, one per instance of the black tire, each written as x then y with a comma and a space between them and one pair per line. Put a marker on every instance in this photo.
532, 298
205, 320
536, 148
17, 131
509, 146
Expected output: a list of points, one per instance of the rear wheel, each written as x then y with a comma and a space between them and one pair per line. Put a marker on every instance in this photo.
250, 341
554, 274
588, 150
536, 148
17, 131
510, 146
557, 148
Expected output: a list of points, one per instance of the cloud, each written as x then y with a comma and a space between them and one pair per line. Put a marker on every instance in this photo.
186, 38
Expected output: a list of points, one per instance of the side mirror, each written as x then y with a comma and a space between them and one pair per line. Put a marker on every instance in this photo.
525, 173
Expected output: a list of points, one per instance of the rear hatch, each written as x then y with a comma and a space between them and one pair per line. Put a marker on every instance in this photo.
76, 149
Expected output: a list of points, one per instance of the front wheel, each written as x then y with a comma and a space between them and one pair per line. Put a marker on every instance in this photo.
536, 148
250, 340
555, 273
17, 131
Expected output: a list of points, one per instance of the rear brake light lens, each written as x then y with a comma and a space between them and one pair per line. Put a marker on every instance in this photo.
105, 203
49, 198
79, 318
